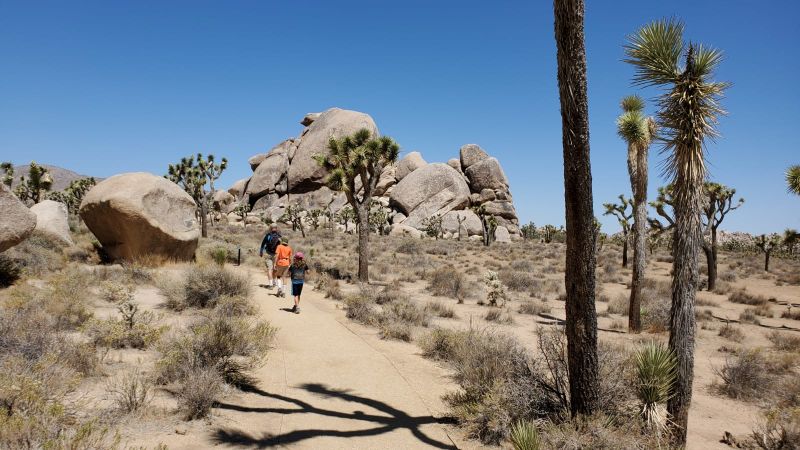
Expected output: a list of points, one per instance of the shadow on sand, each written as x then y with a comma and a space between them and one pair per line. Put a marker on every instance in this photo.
392, 420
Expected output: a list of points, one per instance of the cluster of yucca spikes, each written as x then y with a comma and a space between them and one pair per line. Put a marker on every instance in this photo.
193, 176
33, 189
793, 179
655, 368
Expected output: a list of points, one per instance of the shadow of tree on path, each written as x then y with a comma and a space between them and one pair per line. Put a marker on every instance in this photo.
393, 420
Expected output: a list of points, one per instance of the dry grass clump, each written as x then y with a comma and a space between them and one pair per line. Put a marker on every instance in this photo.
410, 246
785, 341
780, 430
499, 316
441, 310
330, 286
134, 329
520, 281
230, 345
791, 313
203, 286
39, 255
745, 298
618, 305
131, 392
502, 384
533, 308
448, 282
731, 333
749, 315
743, 376
199, 392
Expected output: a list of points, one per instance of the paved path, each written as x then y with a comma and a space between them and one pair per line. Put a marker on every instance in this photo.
333, 384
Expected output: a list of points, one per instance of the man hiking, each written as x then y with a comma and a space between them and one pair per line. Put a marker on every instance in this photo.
270, 245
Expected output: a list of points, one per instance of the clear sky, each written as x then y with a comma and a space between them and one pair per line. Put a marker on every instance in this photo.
107, 87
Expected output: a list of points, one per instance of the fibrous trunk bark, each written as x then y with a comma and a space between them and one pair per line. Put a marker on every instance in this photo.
638, 171
203, 219
766, 261
581, 320
687, 241
363, 243
625, 252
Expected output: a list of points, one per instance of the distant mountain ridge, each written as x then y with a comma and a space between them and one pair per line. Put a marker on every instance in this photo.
61, 177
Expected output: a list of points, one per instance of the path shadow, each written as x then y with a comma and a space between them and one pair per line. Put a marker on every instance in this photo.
392, 420
289, 310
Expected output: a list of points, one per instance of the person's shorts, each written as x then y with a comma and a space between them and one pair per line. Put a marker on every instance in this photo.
297, 288
269, 261
281, 271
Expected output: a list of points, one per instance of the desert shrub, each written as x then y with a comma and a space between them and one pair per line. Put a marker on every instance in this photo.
330, 286
381, 295
600, 431
235, 306
137, 273
729, 276
655, 312
219, 255
722, 288
495, 289
405, 312
785, 341
791, 313
518, 281
749, 316
763, 311
204, 285
410, 246
360, 309
498, 316
133, 329
130, 392
396, 330
67, 301
533, 308
702, 301
745, 298
743, 376
441, 344
199, 392
115, 292
619, 305
731, 333
780, 430
446, 281
656, 374
38, 255
230, 345
441, 310
10, 271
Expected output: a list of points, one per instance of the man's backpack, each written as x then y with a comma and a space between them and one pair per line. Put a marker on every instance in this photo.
272, 242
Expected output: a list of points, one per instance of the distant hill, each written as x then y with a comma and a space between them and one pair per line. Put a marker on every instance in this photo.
61, 177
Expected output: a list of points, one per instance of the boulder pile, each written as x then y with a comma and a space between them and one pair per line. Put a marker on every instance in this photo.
17, 222
412, 189
142, 215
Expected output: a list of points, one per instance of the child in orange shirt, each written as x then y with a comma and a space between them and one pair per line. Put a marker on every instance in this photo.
283, 259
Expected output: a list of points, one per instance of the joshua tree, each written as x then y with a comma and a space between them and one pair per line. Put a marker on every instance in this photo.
638, 132
360, 157
620, 211
314, 217
581, 323
192, 176
294, 215
378, 218
549, 232
345, 216
34, 188
717, 202
790, 239
242, 210
767, 243
793, 179
433, 226
528, 231
8, 173
460, 218
495, 289
688, 113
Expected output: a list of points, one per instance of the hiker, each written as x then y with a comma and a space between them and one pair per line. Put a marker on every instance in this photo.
283, 259
298, 273
270, 244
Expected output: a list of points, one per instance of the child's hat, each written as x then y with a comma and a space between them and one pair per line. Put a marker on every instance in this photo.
298, 255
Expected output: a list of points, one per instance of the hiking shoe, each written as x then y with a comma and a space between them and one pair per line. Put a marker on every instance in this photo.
280, 293
297, 310
294, 308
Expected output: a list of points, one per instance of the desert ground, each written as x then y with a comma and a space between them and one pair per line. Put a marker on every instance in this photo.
359, 367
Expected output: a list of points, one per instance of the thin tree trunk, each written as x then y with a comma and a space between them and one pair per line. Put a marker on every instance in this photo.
363, 243
625, 252
579, 280
766, 261
203, 218
711, 259
638, 170
687, 241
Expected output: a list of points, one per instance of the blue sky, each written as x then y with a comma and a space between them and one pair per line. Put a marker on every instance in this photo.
110, 87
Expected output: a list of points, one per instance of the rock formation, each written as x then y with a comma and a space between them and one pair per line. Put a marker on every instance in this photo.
53, 218
17, 222
412, 189
140, 214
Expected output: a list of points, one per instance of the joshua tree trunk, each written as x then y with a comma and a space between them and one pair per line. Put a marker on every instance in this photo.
363, 242
766, 260
638, 171
581, 323
625, 250
203, 219
687, 241
711, 259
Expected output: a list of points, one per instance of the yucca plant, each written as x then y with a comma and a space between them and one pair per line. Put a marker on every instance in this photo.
793, 179
688, 112
525, 436
655, 368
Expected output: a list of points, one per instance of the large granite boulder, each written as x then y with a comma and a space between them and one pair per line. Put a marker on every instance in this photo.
408, 164
224, 201
502, 209
432, 189
238, 188
17, 222
305, 174
142, 215
470, 223
270, 175
53, 218
256, 160
471, 154
387, 179
486, 174
501, 234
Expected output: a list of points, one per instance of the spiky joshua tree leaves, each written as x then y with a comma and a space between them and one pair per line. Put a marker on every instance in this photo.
33, 189
579, 277
655, 370
638, 132
193, 175
793, 179
688, 112
360, 157
8, 173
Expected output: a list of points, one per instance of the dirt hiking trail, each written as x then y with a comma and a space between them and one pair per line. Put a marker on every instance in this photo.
333, 384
